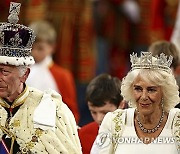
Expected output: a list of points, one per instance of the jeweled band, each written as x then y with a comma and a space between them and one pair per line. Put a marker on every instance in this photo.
147, 61
15, 52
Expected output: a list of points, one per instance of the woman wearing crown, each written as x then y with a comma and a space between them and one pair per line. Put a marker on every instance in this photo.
152, 125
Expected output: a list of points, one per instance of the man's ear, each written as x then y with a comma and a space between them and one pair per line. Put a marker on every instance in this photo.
25, 76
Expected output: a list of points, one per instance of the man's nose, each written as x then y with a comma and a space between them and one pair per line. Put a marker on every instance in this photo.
1, 74
100, 118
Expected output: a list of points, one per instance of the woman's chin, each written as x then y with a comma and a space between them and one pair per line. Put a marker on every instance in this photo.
145, 109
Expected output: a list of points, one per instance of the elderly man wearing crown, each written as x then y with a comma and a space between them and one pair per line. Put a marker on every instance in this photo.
31, 121
152, 125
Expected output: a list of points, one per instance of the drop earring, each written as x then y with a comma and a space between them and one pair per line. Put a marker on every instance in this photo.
162, 103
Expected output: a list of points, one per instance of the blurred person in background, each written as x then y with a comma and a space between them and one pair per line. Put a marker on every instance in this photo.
113, 20
103, 95
175, 37
168, 48
45, 73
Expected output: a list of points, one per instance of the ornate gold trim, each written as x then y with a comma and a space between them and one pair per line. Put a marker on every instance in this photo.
118, 129
18, 101
32, 143
176, 130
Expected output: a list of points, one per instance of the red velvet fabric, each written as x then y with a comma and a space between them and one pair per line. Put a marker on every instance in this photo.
87, 135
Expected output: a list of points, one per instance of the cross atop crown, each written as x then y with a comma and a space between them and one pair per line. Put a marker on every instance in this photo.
14, 12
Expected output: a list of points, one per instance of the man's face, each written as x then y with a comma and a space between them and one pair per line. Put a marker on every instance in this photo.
10, 81
98, 113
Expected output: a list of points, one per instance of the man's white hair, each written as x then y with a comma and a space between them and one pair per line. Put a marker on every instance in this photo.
22, 69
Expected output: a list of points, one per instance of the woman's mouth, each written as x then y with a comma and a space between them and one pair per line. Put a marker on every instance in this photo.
145, 105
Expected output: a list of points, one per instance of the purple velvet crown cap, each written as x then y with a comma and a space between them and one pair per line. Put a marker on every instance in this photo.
15, 40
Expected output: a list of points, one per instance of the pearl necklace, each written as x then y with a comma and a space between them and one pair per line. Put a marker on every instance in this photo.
145, 130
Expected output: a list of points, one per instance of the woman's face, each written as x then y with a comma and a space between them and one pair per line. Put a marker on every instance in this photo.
148, 96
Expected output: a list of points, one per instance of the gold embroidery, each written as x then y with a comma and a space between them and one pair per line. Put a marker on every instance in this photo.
38, 132
177, 131
118, 129
118, 121
18, 101
16, 123
24, 150
31, 144
9, 134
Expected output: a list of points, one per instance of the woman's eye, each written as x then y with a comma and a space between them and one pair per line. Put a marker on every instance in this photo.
151, 90
137, 89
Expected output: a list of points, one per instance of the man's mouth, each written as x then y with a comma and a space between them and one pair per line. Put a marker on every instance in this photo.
2, 88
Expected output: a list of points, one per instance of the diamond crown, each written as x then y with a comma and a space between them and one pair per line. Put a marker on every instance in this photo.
15, 40
147, 61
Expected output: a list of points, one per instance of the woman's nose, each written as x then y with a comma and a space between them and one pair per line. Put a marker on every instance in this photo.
144, 95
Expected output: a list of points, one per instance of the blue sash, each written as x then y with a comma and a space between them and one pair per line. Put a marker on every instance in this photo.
3, 149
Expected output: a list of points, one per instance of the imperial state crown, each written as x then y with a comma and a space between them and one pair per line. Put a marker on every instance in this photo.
16, 40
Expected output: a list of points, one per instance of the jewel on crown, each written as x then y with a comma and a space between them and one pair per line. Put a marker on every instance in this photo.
16, 40
147, 61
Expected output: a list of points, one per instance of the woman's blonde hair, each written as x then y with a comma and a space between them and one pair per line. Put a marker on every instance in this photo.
160, 78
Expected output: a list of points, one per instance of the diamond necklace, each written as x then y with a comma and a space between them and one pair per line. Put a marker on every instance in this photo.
145, 130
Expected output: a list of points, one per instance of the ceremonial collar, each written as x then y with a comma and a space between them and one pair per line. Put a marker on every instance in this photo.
18, 101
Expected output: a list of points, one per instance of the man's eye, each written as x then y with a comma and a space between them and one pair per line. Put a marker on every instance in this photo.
104, 113
4, 72
93, 112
